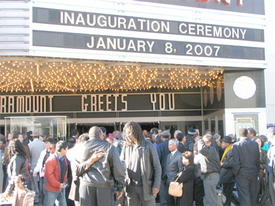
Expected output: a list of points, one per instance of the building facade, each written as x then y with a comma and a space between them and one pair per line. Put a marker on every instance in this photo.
170, 64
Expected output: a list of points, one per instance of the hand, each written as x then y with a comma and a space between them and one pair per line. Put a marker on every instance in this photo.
221, 164
119, 195
34, 174
62, 185
95, 157
155, 191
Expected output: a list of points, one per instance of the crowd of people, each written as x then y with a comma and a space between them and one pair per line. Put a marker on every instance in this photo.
135, 168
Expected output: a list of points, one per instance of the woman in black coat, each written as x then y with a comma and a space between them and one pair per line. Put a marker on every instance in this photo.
187, 178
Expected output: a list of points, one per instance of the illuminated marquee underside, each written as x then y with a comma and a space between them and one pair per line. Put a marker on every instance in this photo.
23, 74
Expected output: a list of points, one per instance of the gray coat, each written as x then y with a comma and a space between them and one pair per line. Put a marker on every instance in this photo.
36, 147
174, 165
150, 168
107, 170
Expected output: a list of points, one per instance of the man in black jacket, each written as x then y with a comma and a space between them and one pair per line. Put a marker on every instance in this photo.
246, 164
210, 168
163, 151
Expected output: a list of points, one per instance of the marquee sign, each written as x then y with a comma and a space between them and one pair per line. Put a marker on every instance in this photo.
85, 103
115, 43
84, 34
141, 24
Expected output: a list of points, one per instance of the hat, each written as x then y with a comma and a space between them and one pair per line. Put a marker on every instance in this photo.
227, 139
192, 131
165, 134
35, 133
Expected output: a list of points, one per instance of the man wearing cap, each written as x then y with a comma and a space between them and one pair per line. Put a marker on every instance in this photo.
163, 151
246, 164
270, 163
190, 139
226, 174
36, 146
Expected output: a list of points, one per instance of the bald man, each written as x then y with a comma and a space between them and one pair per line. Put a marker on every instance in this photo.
97, 182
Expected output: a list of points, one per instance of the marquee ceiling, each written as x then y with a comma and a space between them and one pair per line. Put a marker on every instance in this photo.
28, 74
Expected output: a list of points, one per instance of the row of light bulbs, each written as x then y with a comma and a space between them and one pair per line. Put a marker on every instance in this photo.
57, 75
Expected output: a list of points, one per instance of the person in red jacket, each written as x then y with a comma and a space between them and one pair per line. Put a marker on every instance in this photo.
56, 176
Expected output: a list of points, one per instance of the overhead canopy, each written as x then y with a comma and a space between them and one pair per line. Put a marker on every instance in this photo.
30, 74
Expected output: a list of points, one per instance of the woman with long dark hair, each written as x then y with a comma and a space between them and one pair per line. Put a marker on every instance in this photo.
143, 170
18, 163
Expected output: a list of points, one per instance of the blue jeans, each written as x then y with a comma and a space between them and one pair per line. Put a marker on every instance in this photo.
55, 197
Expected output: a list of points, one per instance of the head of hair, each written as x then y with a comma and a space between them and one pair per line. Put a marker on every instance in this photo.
149, 139
208, 138
103, 129
189, 155
15, 134
177, 131
84, 137
180, 136
22, 179
155, 130
262, 141
263, 137
61, 145
95, 132
175, 141
136, 133
74, 132
71, 142
29, 134
243, 132
252, 131
149, 135
208, 131
120, 136
16, 148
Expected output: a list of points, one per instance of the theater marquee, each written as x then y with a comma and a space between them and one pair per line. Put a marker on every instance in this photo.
89, 33
91, 103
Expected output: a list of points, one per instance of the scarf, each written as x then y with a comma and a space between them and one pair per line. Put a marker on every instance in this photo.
226, 150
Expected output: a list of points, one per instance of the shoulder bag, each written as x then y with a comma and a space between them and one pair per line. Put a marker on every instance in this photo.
175, 188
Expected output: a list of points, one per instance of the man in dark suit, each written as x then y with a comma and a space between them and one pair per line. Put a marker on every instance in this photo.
163, 151
174, 165
246, 163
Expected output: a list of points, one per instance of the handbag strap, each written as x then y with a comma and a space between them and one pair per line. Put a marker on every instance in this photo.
178, 177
